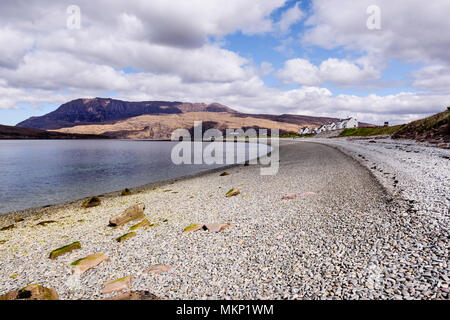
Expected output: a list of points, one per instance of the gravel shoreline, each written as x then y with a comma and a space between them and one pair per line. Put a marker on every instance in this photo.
350, 239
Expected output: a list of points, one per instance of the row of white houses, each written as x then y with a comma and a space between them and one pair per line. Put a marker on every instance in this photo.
341, 124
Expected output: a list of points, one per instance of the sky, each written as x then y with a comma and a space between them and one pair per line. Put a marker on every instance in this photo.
376, 60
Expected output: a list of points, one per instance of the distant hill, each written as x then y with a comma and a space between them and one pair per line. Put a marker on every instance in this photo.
9, 132
97, 110
158, 119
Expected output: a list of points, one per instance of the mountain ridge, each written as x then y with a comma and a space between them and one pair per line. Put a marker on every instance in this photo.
157, 119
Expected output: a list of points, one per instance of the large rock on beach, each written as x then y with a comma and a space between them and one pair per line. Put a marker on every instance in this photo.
63, 250
31, 292
132, 213
91, 261
92, 202
121, 284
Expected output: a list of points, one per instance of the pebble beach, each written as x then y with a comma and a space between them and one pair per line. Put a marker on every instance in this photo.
350, 232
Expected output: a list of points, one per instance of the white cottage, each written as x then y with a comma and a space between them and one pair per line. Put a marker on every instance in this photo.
304, 130
349, 123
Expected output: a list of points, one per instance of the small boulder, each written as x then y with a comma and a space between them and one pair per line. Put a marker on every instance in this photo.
193, 227
66, 249
44, 223
18, 219
289, 196
159, 268
31, 292
121, 284
216, 227
125, 192
7, 227
232, 192
91, 261
132, 213
135, 295
126, 236
225, 173
92, 202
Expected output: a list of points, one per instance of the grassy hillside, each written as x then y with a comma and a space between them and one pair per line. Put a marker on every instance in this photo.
375, 131
435, 128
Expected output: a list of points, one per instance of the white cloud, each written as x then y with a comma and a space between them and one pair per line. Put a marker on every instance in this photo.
341, 72
411, 30
432, 78
176, 46
13, 46
290, 17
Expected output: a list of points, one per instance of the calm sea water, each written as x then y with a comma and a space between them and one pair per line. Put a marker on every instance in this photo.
36, 173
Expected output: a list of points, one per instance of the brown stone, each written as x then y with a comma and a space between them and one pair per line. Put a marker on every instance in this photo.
121, 284
232, 192
216, 227
7, 227
225, 173
289, 196
31, 292
132, 213
91, 261
126, 192
159, 268
44, 223
92, 202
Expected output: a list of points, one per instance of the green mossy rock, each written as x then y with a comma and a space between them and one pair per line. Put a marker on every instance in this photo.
145, 224
122, 284
126, 236
232, 192
81, 265
66, 249
92, 202
193, 227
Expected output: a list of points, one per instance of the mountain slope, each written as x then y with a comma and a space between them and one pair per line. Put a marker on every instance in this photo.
86, 111
162, 126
